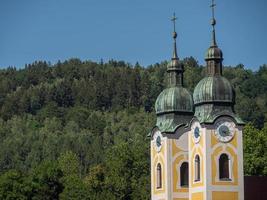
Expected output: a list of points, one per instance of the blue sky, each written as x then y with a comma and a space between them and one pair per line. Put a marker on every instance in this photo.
130, 30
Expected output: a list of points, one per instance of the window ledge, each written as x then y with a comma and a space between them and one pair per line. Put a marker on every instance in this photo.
184, 186
225, 179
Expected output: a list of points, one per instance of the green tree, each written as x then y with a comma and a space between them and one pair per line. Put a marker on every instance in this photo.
74, 189
255, 150
69, 163
13, 186
95, 181
46, 181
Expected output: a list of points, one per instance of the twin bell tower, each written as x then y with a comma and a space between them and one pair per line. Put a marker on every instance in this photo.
196, 145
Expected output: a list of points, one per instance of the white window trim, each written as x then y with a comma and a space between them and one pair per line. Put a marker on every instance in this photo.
195, 169
178, 167
231, 161
156, 176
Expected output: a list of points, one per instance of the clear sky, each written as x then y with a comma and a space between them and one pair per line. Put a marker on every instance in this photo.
130, 30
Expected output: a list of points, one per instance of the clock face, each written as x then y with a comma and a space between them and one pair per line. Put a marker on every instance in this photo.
224, 131
196, 133
157, 140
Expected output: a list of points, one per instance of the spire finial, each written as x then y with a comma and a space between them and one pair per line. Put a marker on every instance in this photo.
175, 68
173, 19
213, 23
214, 55
213, 8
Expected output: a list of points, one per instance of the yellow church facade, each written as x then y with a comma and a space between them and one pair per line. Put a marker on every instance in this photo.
199, 160
196, 145
170, 159
221, 162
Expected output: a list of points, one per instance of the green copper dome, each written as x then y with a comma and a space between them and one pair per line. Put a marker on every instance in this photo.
214, 96
174, 99
174, 105
213, 89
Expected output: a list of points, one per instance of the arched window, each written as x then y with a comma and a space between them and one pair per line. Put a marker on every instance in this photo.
224, 167
159, 176
184, 174
197, 168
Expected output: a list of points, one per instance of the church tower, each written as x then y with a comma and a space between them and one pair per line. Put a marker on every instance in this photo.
215, 139
169, 138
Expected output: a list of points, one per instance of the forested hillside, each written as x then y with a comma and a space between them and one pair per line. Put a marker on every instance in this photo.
78, 130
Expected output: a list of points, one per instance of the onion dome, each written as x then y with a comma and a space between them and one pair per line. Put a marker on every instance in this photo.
214, 95
174, 105
174, 99
213, 89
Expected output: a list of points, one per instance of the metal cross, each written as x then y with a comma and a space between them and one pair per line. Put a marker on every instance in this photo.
174, 18
213, 7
